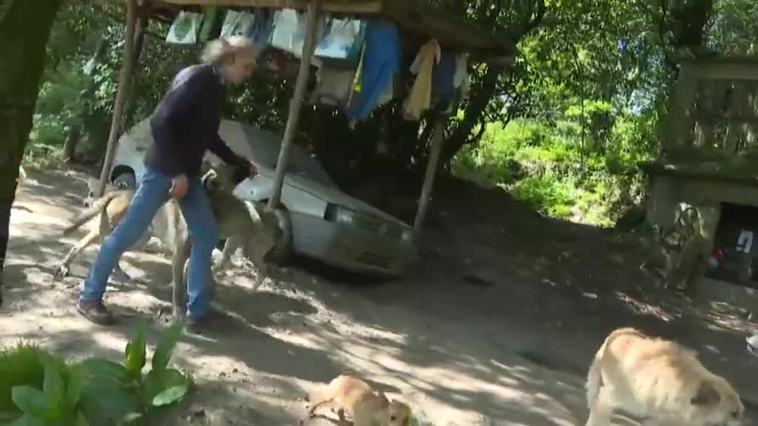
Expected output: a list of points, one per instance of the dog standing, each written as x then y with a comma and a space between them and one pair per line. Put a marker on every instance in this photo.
109, 209
658, 380
236, 219
367, 407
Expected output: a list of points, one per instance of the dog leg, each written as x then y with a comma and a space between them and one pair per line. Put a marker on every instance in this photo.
363, 418
316, 404
601, 409
90, 238
230, 247
178, 266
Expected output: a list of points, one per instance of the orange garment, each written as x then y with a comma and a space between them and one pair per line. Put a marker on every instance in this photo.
420, 96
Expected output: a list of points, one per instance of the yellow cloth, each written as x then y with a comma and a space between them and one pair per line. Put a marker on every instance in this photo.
421, 93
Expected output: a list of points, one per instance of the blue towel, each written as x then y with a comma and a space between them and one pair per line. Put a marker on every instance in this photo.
381, 62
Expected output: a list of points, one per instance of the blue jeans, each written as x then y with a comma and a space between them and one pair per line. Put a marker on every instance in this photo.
203, 231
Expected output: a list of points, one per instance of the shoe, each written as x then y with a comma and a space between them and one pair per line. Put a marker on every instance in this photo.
95, 311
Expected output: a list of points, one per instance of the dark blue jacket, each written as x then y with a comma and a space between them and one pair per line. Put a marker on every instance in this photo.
185, 124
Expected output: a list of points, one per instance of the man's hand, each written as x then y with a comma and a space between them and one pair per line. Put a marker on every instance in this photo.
179, 187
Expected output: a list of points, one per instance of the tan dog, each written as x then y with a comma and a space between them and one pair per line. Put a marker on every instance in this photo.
261, 233
658, 380
368, 408
109, 209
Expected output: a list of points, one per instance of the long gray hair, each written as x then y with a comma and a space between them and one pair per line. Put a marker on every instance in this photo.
223, 50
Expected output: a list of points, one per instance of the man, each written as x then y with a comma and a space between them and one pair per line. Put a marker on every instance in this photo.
184, 126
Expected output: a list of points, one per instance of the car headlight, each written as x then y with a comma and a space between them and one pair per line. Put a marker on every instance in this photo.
339, 214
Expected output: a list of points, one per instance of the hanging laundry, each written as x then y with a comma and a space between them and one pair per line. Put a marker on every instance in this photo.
236, 23
443, 88
460, 83
379, 64
290, 28
334, 86
212, 23
420, 97
342, 39
184, 28
259, 31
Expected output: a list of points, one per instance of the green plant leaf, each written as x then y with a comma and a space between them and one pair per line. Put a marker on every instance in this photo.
130, 418
165, 387
105, 401
28, 420
74, 385
81, 420
31, 401
21, 365
53, 387
135, 354
103, 368
166, 346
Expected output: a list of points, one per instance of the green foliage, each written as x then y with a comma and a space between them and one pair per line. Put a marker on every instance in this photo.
549, 167
563, 127
41, 389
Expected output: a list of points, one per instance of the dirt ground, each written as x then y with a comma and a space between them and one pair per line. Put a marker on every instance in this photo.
496, 325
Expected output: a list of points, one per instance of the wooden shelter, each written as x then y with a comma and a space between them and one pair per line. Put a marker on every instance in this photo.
417, 20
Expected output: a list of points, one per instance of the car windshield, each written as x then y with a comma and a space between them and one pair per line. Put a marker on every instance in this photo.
265, 150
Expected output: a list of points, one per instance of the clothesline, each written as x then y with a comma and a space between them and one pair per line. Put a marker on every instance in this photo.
360, 61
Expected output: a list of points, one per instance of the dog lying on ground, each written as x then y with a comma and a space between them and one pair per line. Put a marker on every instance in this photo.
368, 408
658, 380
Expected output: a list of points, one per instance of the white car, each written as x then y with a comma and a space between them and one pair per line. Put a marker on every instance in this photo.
320, 221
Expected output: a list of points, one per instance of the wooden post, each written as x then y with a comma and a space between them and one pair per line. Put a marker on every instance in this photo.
296, 102
118, 107
431, 171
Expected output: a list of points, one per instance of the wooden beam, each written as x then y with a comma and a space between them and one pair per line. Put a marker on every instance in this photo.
431, 171
334, 6
297, 100
123, 86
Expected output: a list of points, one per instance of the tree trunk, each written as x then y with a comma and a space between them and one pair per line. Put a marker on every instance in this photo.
476, 107
24, 29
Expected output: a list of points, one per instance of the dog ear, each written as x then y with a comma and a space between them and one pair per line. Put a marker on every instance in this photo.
210, 180
706, 395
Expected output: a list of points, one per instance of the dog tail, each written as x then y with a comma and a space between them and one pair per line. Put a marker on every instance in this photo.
97, 207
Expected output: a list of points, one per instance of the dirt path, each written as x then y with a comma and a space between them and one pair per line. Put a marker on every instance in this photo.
464, 338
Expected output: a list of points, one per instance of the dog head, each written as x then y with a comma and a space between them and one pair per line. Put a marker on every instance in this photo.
716, 403
399, 414
221, 177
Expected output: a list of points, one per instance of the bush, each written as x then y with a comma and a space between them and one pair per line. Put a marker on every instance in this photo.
39, 388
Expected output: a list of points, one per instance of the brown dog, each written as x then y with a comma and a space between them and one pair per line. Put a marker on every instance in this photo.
659, 380
367, 408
